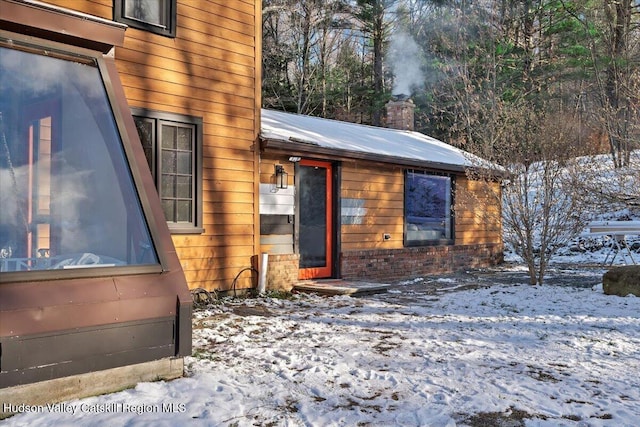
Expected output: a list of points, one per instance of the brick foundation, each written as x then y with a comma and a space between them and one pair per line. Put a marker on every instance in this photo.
391, 264
407, 263
282, 273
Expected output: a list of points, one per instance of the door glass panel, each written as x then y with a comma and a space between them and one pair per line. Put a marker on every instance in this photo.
168, 207
168, 186
168, 137
313, 218
183, 187
184, 210
169, 161
184, 139
184, 162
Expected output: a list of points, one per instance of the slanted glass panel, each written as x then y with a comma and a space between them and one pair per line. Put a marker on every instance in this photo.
427, 208
67, 194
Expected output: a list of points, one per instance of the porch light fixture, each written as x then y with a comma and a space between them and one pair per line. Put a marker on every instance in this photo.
282, 177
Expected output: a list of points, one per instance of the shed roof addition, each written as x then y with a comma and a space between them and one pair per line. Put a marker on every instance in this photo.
312, 134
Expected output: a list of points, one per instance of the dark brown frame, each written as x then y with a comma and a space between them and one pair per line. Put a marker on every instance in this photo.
158, 117
169, 31
119, 315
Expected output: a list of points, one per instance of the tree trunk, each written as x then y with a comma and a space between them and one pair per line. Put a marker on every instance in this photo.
378, 39
618, 14
304, 72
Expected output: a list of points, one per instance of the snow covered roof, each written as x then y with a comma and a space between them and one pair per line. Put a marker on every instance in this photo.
310, 134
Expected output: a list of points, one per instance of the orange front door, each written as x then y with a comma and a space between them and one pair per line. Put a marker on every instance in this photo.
315, 219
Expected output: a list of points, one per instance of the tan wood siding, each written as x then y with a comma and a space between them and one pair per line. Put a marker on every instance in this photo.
208, 70
380, 192
477, 210
477, 214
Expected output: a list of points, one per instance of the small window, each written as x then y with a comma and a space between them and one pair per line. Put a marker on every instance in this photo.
428, 218
173, 147
156, 16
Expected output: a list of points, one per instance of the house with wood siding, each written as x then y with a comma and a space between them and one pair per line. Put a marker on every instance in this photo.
142, 170
204, 82
369, 203
128, 175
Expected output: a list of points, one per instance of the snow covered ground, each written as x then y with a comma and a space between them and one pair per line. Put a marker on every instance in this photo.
480, 348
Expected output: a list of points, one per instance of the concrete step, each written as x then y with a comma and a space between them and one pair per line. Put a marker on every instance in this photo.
340, 287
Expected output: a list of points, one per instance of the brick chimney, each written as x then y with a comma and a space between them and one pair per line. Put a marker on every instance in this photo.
400, 113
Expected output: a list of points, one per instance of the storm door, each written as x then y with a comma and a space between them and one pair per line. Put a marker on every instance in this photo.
315, 225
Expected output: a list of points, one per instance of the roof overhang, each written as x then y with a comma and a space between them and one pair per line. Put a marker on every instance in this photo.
298, 148
307, 136
45, 21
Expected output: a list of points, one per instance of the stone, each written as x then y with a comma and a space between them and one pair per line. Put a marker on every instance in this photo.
622, 281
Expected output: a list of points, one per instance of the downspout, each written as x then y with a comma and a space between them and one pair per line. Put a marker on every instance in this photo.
264, 265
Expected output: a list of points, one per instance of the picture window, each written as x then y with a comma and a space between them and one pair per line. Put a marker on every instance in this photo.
428, 209
68, 197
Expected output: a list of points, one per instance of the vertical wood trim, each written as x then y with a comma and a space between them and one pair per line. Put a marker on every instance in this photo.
329, 219
256, 127
337, 219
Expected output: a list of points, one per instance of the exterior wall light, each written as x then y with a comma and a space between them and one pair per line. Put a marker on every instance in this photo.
282, 177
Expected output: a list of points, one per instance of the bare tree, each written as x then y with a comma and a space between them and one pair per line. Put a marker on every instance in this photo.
504, 106
299, 39
542, 207
617, 84
373, 16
